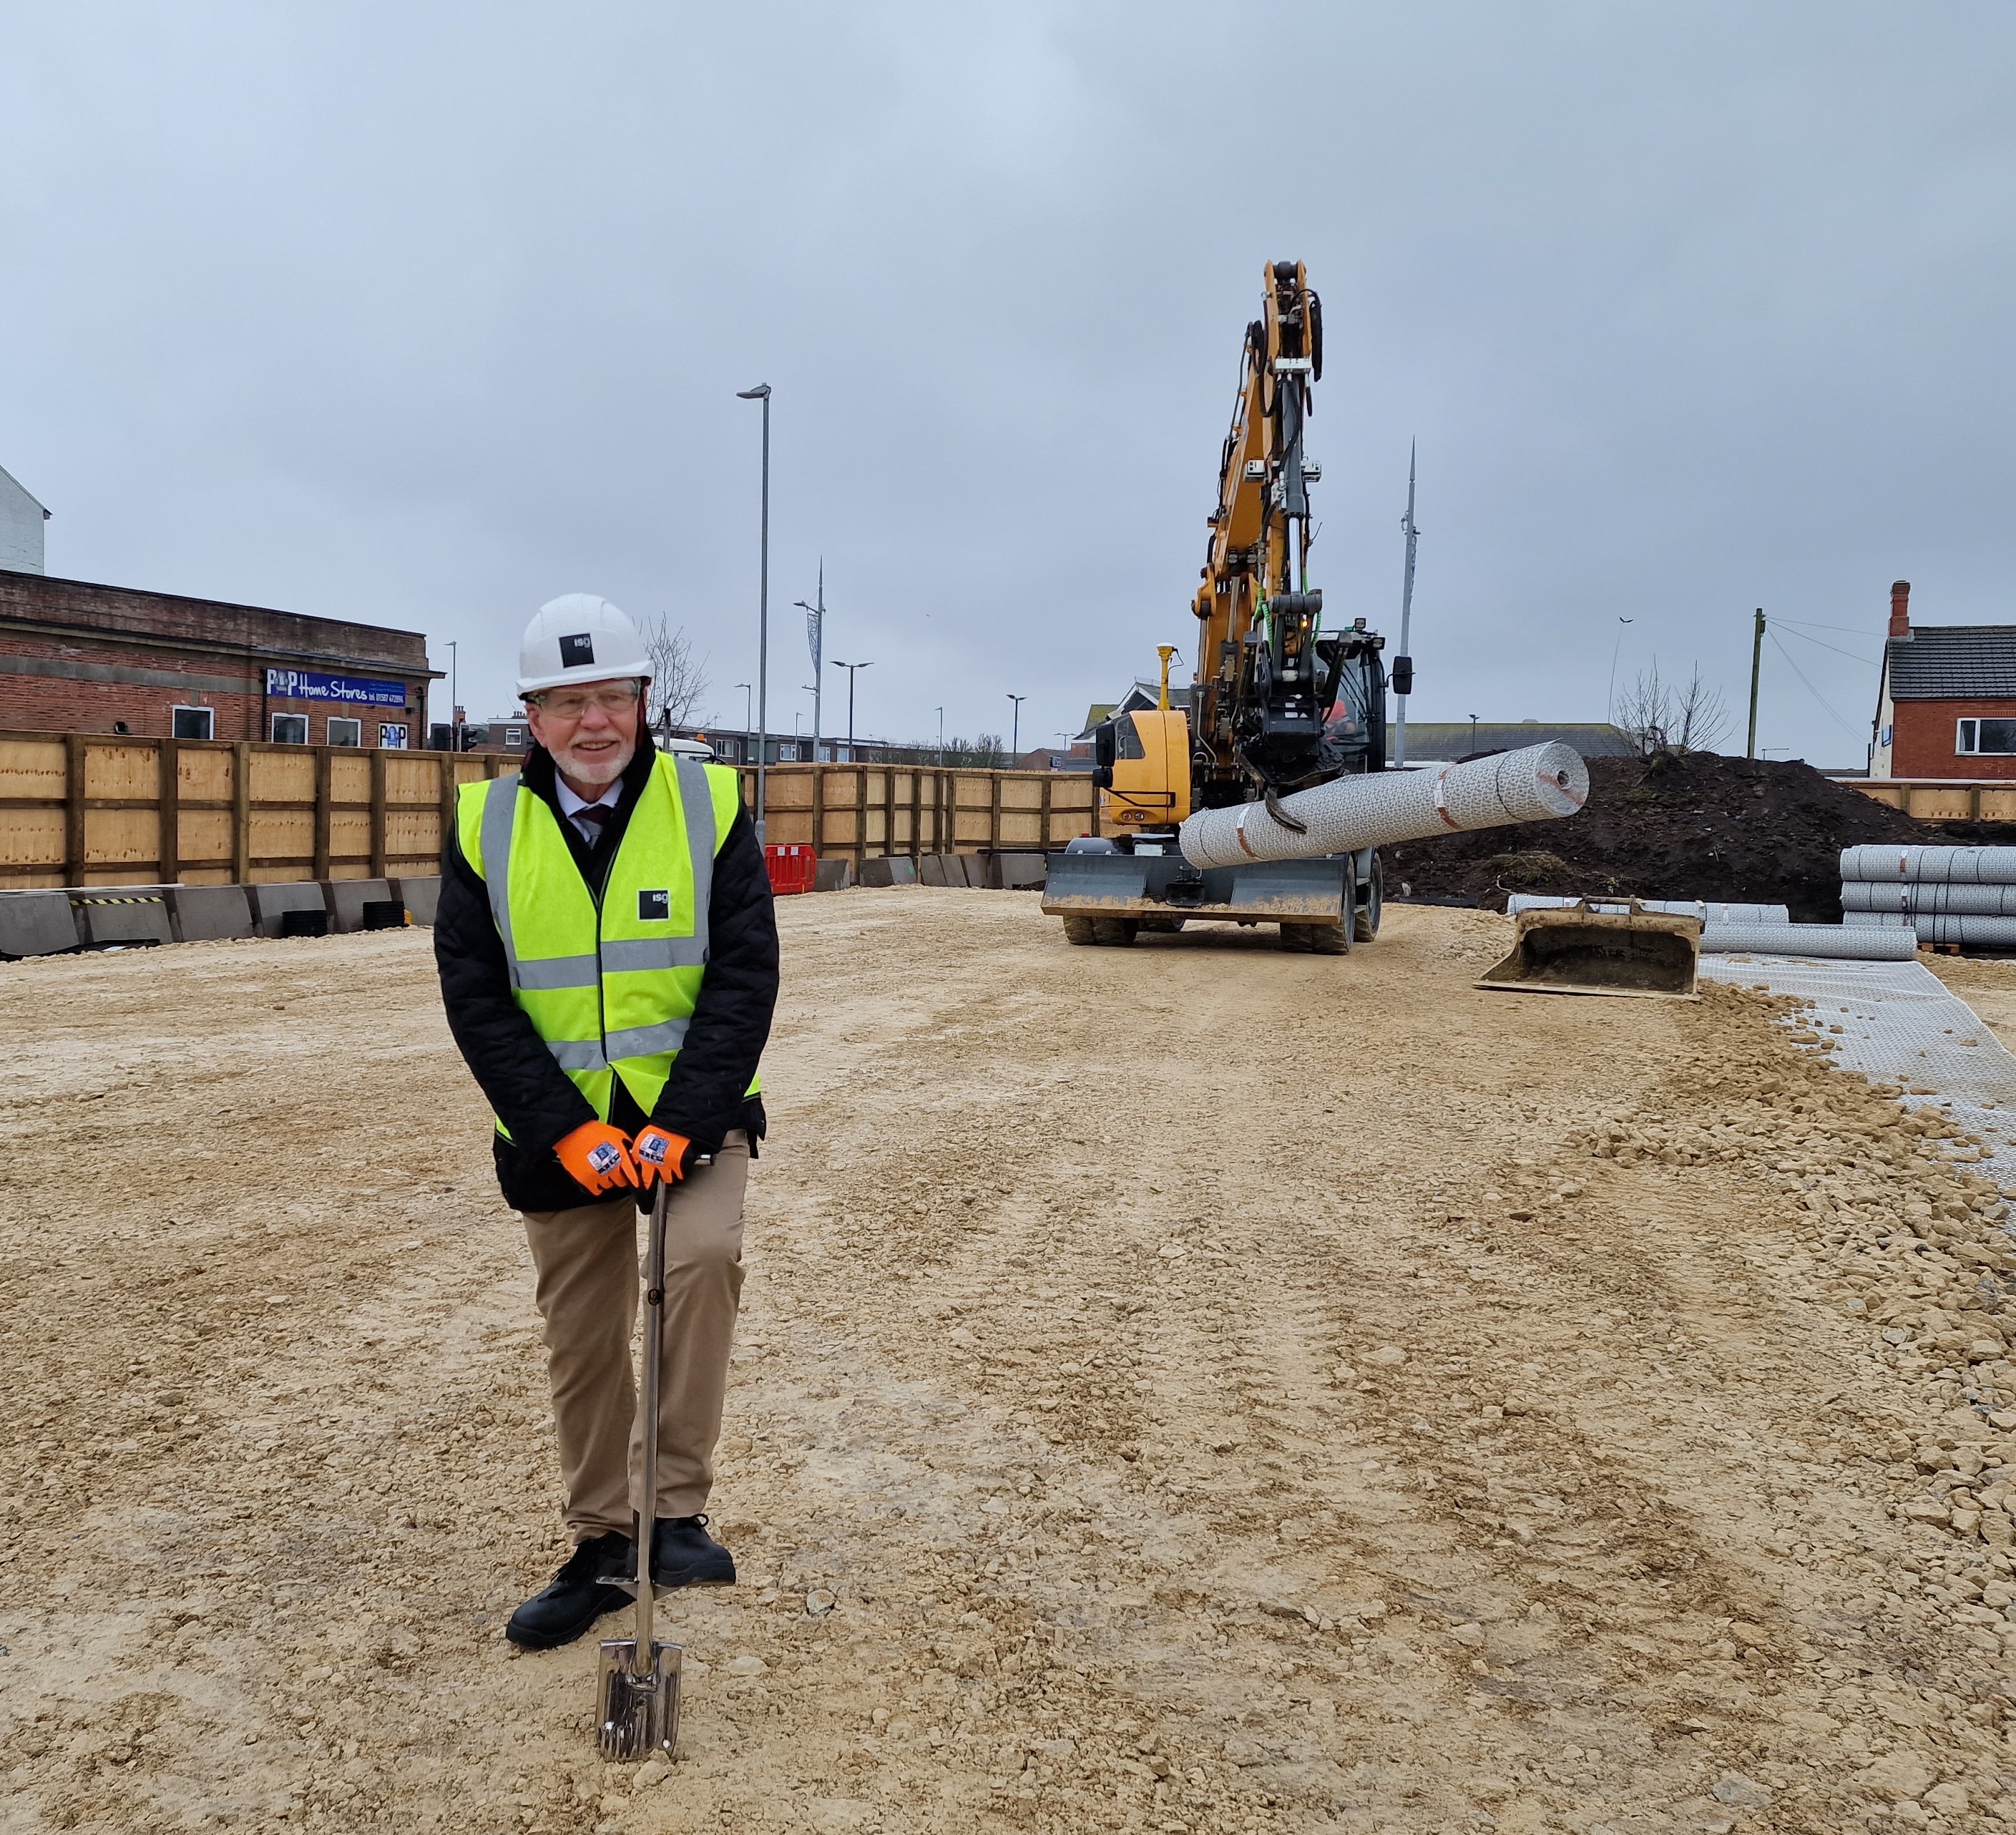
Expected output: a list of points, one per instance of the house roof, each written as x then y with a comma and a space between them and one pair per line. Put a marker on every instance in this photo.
1458, 739
1953, 663
25, 491
1139, 696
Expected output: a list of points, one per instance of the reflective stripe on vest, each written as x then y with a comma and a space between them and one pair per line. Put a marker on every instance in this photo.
610, 985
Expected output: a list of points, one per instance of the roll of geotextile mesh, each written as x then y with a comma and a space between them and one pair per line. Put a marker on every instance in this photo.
1929, 897
1708, 910
1879, 863
1536, 784
1930, 926
1860, 942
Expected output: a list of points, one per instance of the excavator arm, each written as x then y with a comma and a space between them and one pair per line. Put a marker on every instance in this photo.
1266, 675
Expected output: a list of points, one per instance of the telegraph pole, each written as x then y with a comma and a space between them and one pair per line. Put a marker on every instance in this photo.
1756, 662
1403, 664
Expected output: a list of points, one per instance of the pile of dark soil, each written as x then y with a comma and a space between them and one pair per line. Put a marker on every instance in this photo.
1695, 826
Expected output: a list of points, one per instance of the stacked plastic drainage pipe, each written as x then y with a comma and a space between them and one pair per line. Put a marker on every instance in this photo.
1939, 895
1536, 784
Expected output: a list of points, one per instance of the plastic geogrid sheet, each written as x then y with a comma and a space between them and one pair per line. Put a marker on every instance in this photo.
1899, 1024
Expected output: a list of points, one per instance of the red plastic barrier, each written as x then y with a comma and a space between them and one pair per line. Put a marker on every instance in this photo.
792, 867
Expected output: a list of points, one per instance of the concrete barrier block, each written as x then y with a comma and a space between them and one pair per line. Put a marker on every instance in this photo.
973, 869
347, 899
833, 875
931, 870
211, 914
123, 914
37, 923
892, 870
269, 903
1019, 872
420, 896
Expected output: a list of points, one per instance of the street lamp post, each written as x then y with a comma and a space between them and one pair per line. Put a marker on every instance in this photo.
1473, 732
941, 735
762, 393
850, 667
815, 636
744, 687
1015, 742
454, 696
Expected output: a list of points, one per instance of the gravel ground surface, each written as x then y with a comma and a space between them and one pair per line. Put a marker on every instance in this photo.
1190, 1388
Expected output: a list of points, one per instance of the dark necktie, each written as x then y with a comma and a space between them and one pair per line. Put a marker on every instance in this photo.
589, 820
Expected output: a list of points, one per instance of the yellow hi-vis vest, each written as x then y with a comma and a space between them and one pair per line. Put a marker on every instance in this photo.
609, 987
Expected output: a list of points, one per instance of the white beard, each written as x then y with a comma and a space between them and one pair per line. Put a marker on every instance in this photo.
601, 769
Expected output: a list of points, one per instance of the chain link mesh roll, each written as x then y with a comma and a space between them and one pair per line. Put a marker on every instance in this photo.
1928, 897
1536, 784
1989, 933
1864, 943
1880, 863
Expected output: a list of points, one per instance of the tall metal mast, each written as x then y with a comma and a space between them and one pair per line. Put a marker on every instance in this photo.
1403, 664
817, 621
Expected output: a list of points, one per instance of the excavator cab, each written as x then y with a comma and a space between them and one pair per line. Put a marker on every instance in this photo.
1141, 762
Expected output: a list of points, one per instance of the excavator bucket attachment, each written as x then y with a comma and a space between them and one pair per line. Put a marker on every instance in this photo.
1585, 948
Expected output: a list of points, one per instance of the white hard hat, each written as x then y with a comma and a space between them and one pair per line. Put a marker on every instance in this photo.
580, 638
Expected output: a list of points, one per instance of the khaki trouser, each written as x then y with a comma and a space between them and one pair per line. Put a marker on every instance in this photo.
585, 1259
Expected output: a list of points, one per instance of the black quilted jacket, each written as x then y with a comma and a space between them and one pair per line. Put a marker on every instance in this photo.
703, 1098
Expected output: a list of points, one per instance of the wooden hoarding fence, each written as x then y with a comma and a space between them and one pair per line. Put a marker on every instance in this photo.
858, 811
105, 809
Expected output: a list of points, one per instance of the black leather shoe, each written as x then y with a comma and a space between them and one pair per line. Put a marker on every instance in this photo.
683, 1554
578, 1595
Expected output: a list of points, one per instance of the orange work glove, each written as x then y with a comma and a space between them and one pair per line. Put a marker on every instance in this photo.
659, 1154
598, 1156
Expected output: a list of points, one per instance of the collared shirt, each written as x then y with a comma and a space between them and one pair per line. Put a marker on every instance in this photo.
587, 817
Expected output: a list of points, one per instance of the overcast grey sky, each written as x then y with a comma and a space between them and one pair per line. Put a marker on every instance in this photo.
422, 314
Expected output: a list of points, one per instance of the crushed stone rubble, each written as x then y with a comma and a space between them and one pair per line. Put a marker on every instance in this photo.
1576, 1416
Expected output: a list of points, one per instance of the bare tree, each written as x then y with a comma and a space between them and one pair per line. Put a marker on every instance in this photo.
1661, 716
678, 678
1700, 715
985, 752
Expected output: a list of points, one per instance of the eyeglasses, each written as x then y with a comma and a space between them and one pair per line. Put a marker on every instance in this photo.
571, 703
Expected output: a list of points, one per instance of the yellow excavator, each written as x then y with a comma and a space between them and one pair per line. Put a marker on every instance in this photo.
1277, 702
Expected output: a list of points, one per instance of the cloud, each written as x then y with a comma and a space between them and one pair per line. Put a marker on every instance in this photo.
422, 315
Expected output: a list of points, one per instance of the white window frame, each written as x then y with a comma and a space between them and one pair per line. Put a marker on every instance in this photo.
1967, 737
287, 739
209, 722
355, 727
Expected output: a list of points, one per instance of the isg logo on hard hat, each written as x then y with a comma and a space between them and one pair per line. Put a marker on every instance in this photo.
578, 638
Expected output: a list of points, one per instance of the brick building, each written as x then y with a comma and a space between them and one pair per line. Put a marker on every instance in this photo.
1946, 703
80, 658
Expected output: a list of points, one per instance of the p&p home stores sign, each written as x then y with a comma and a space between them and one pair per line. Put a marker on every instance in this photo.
312, 685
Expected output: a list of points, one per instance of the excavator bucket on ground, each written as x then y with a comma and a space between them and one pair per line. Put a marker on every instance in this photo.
1607, 948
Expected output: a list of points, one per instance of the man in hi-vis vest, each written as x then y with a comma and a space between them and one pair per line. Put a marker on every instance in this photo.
608, 957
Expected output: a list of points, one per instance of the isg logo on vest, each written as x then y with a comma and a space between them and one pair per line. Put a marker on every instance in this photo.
654, 907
